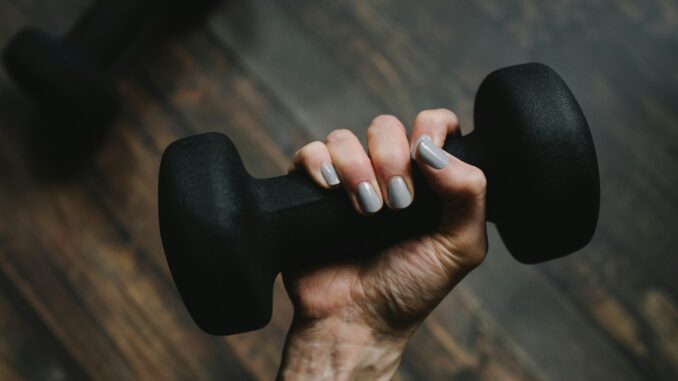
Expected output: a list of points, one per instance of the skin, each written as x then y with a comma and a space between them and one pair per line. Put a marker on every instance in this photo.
353, 320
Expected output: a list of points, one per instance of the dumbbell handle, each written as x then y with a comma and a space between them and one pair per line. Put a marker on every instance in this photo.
292, 209
107, 27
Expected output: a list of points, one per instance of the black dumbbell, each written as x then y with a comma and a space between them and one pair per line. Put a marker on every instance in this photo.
226, 235
67, 77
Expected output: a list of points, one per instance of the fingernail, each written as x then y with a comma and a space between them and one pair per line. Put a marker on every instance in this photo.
398, 194
329, 174
432, 154
368, 199
415, 146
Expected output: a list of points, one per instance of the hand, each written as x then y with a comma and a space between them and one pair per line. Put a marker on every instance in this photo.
352, 320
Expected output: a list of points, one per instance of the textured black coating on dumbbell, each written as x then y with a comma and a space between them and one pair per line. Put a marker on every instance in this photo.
67, 76
226, 235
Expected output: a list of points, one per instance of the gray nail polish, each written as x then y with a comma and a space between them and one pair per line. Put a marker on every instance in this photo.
415, 147
398, 194
329, 174
367, 198
432, 155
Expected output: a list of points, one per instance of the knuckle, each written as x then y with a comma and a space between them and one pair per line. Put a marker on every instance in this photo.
308, 152
384, 122
448, 115
437, 116
314, 145
426, 116
475, 182
339, 135
312, 148
356, 163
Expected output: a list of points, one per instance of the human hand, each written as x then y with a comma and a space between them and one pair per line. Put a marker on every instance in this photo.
352, 320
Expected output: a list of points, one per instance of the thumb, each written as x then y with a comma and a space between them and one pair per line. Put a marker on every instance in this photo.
462, 188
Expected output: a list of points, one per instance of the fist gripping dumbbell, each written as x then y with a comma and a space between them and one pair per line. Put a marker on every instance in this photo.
66, 77
227, 235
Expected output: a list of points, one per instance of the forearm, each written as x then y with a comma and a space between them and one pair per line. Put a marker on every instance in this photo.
334, 349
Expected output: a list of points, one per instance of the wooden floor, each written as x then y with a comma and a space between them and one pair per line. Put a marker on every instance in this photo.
85, 292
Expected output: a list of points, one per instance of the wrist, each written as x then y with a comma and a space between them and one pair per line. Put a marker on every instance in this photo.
340, 349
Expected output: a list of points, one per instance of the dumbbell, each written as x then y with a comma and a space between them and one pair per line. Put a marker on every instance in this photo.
67, 77
227, 235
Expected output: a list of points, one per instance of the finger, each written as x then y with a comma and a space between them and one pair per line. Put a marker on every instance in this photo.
355, 170
315, 159
390, 153
436, 125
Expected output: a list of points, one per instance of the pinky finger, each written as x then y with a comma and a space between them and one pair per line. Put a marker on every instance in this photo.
315, 159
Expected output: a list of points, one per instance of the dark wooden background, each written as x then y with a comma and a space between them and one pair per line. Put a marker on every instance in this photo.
85, 292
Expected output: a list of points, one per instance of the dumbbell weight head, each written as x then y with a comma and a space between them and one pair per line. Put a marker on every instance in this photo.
226, 235
59, 78
68, 76
535, 147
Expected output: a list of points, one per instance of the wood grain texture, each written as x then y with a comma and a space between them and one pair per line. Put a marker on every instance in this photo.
28, 350
85, 292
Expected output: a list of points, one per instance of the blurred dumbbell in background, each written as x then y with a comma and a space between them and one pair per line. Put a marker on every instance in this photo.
70, 79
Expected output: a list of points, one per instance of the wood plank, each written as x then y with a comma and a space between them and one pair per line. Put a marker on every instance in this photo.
28, 351
551, 330
293, 67
458, 341
641, 318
